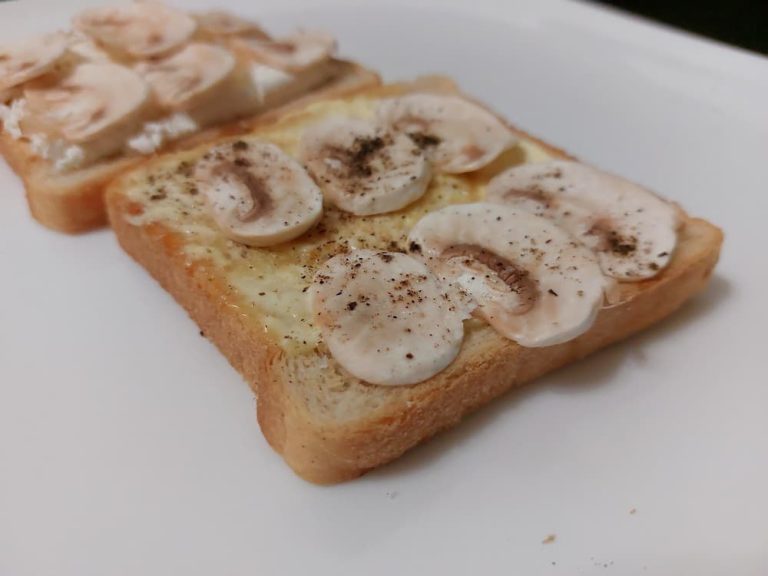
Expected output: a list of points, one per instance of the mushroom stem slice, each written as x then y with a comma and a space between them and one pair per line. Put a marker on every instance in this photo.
137, 30
293, 53
633, 231
530, 280
459, 135
257, 194
363, 169
223, 23
188, 77
96, 100
29, 59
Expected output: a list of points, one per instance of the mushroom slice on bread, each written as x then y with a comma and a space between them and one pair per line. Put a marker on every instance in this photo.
137, 30
385, 317
531, 281
363, 169
459, 136
633, 231
257, 194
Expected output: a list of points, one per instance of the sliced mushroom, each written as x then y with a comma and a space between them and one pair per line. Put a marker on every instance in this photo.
385, 318
362, 169
272, 85
293, 53
460, 136
222, 23
96, 100
85, 49
531, 281
257, 194
633, 231
27, 60
137, 30
187, 77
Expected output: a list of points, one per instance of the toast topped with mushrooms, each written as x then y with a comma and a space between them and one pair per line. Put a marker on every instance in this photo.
377, 266
127, 81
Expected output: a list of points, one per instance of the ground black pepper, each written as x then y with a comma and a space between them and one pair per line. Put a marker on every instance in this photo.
359, 154
423, 140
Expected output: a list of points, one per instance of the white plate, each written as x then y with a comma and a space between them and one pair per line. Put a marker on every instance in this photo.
129, 446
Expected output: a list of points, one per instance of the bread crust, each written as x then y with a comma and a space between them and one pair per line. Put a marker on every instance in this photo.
328, 451
74, 202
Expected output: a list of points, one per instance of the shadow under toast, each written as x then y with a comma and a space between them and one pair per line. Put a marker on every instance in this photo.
583, 376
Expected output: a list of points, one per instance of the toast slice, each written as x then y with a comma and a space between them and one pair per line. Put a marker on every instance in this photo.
328, 425
73, 201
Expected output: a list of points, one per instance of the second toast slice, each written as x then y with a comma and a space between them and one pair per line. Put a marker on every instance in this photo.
73, 201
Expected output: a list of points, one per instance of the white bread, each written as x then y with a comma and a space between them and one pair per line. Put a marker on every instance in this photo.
73, 201
328, 425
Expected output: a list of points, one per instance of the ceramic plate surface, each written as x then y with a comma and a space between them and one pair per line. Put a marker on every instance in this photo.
129, 446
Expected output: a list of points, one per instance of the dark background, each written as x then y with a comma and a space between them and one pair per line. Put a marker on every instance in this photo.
742, 23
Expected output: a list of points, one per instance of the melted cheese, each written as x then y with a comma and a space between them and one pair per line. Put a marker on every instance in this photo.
10, 116
155, 134
271, 283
